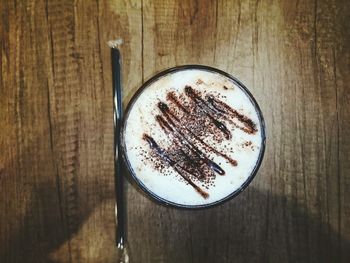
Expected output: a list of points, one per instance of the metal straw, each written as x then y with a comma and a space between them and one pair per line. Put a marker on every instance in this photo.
118, 176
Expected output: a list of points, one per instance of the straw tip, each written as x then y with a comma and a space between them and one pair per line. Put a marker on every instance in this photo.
115, 43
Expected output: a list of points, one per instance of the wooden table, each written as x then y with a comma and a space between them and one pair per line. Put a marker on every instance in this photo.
56, 137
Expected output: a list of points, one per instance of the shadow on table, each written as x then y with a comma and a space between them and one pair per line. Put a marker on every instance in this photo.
42, 211
256, 226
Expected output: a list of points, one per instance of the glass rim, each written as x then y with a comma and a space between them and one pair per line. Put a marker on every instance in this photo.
138, 181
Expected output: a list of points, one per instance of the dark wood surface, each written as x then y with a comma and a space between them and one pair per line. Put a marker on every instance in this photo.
56, 136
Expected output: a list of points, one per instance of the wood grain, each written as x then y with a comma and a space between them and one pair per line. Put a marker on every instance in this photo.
56, 138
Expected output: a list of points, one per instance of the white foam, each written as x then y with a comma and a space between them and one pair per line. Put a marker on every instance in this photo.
141, 120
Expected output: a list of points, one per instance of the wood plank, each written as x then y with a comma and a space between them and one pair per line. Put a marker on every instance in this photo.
341, 68
31, 217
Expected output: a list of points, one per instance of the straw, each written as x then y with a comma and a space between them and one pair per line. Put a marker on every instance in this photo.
118, 176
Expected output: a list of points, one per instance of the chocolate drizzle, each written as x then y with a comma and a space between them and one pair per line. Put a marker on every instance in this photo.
187, 123
229, 114
180, 170
204, 106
